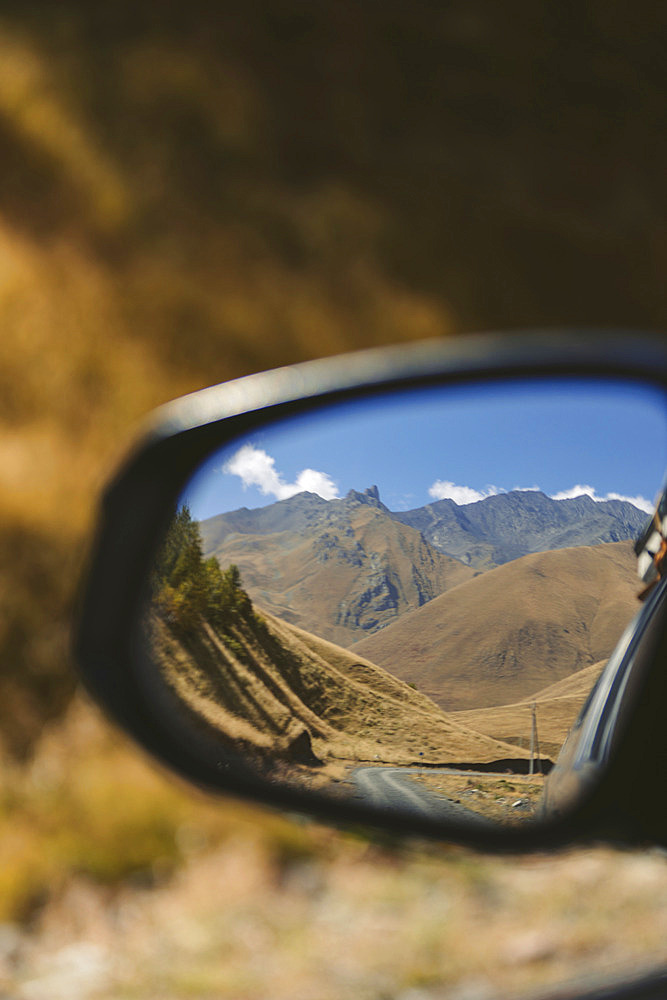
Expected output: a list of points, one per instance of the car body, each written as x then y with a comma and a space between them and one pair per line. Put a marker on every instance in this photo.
607, 711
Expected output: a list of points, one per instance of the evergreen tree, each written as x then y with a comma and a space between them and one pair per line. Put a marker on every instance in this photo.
189, 588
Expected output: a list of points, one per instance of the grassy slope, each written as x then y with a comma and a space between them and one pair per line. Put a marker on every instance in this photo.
515, 629
270, 684
556, 709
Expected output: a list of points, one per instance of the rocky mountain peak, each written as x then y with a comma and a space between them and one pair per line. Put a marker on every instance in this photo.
370, 496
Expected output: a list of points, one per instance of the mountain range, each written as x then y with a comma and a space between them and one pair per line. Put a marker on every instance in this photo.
338, 568
349, 567
500, 528
483, 608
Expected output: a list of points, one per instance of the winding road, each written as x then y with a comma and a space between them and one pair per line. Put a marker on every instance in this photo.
389, 788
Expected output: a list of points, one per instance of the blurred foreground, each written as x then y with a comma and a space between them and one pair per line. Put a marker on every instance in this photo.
153, 892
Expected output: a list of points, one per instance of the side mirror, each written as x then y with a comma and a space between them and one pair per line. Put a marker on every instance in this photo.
399, 588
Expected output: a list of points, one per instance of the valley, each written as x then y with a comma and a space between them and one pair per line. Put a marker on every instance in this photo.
358, 641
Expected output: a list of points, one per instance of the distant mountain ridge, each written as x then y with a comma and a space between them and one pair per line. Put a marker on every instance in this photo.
507, 526
488, 532
294, 514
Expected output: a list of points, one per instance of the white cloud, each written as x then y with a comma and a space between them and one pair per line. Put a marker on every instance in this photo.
638, 501
443, 489
576, 491
314, 482
255, 467
589, 491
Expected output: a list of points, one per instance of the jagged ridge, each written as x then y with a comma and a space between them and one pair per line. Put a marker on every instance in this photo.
349, 567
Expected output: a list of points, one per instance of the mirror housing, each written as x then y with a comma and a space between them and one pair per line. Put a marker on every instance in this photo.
619, 802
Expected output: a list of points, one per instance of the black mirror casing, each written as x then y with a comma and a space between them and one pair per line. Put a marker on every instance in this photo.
623, 804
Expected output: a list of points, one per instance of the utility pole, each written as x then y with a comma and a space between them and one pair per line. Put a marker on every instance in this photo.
534, 741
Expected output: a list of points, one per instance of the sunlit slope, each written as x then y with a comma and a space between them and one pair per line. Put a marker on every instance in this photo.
514, 630
273, 691
556, 709
340, 569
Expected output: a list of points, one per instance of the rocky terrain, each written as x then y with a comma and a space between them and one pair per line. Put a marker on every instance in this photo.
348, 568
503, 527
339, 568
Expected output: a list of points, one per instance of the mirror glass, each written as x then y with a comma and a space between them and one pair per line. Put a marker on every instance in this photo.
405, 600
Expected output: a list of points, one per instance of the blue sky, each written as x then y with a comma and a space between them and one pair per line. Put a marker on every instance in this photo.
565, 438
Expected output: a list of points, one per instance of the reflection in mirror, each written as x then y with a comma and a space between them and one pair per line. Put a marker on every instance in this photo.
405, 600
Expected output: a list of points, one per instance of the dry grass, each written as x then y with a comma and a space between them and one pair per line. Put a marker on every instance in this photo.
260, 690
500, 797
556, 710
90, 805
545, 616
242, 923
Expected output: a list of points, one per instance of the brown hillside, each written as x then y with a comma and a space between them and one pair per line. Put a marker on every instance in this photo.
278, 694
346, 578
556, 709
577, 685
514, 630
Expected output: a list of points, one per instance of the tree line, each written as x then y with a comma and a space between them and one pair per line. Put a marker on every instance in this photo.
188, 588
